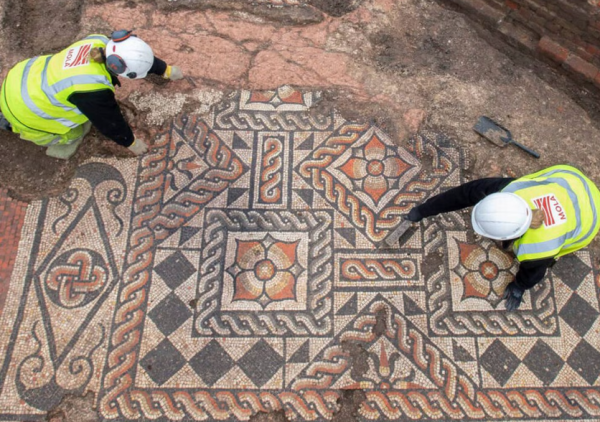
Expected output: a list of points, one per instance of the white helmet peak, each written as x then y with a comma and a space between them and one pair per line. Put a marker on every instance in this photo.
501, 216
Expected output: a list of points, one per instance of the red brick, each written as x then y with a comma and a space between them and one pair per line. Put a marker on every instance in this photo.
580, 67
512, 5
581, 52
532, 5
597, 80
11, 222
552, 26
578, 13
546, 13
553, 50
518, 36
482, 10
526, 14
564, 32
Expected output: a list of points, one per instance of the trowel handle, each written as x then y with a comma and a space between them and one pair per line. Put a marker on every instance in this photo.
524, 148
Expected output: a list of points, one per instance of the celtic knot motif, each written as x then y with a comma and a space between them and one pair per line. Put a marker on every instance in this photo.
76, 278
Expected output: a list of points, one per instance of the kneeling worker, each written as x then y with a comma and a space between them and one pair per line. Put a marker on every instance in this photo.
546, 215
53, 100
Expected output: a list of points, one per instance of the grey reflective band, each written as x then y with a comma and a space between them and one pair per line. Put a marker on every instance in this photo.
590, 198
66, 83
542, 247
563, 184
32, 106
49, 95
53, 90
559, 242
97, 37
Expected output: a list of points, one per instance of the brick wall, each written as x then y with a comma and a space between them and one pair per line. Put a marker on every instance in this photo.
565, 33
12, 216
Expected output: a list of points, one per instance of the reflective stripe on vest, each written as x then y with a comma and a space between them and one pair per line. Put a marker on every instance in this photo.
583, 205
47, 89
32, 106
37, 90
97, 37
88, 76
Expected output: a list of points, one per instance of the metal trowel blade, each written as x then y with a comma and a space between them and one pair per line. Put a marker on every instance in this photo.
394, 237
492, 131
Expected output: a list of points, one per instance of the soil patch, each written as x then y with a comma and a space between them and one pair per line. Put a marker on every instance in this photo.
349, 405
285, 15
74, 409
30, 174
384, 116
278, 416
42, 27
380, 326
336, 8
359, 358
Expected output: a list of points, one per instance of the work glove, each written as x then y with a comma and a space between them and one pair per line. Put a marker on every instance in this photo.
173, 73
414, 215
513, 295
138, 147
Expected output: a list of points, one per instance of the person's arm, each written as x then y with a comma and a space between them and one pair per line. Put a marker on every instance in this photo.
532, 272
462, 196
159, 67
101, 108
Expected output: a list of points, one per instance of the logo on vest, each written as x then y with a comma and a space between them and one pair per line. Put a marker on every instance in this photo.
553, 210
77, 56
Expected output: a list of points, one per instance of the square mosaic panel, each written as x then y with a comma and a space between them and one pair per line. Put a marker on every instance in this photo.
240, 267
272, 274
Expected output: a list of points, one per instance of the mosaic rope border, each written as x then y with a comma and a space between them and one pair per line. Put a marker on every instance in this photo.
120, 399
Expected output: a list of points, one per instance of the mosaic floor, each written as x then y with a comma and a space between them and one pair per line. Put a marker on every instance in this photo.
238, 267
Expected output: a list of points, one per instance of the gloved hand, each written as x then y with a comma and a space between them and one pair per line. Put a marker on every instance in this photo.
513, 296
414, 215
173, 73
138, 147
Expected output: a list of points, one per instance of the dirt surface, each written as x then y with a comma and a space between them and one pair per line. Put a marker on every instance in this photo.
41, 176
27, 28
278, 416
405, 65
349, 405
336, 8
74, 409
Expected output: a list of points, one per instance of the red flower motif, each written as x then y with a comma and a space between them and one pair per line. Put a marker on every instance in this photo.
266, 272
483, 268
374, 171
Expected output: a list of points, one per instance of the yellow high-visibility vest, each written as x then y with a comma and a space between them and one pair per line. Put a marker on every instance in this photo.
34, 94
570, 202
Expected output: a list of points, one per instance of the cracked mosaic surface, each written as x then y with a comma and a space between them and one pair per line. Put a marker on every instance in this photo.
231, 269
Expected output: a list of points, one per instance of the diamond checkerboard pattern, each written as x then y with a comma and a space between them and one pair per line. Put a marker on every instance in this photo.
240, 266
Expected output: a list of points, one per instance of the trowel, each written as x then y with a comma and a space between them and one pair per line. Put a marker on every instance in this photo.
498, 135
393, 239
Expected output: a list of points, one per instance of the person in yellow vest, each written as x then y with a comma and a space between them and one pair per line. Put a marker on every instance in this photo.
545, 215
53, 100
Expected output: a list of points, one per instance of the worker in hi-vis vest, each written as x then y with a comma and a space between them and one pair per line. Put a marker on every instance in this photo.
544, 215
53, 100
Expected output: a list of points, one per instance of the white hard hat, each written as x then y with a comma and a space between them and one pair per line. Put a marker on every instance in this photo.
128, 56
501, 216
